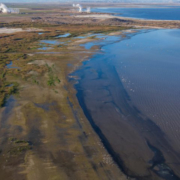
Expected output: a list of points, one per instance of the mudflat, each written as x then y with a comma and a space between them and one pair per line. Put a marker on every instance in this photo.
44, 133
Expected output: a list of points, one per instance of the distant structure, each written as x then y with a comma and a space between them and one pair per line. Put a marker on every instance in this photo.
81, 8
88, 10
5, 9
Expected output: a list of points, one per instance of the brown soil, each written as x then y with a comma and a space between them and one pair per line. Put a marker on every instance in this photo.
44, 133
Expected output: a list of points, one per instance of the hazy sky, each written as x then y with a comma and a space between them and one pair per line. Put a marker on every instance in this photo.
49, 1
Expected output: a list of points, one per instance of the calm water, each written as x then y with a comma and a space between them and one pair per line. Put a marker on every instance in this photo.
131, 92
10, 66
149, 67
144, 13
51, 42
63, 35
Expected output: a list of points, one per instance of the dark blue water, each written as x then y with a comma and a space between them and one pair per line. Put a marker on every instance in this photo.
144, 13
130, 92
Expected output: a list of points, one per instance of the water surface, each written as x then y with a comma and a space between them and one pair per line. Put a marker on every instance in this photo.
131, 95
155, 13
63, 35
10, 66
50, 42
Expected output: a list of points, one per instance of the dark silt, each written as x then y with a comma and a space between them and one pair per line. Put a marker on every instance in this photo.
130, 94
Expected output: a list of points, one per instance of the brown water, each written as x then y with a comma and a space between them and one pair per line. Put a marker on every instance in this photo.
131, 96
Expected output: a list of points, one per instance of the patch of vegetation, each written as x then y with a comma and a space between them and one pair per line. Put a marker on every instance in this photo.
16, 47
57, 79
35, 81
55, 91
9, 88
18, 146
6, 91
51, 78
17, 150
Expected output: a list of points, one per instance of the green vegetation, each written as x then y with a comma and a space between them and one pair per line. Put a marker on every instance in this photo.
6, 91
16, 46
51, 77
57, 79
19, 149
51, 81
18, 146
35, 81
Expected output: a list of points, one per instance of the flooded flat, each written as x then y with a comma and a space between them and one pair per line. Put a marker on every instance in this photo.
10, 66
130, 94
63, 35
51, 42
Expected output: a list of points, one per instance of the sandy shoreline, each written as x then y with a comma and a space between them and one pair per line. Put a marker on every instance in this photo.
15, 30
107, 16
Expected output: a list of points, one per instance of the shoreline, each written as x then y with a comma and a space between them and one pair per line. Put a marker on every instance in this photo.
47, 121
126, 109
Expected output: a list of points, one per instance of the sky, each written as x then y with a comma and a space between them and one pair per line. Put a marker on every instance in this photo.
51, 1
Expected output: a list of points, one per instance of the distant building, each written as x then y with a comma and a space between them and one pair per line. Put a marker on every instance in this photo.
80, 9
5, 9
88, 10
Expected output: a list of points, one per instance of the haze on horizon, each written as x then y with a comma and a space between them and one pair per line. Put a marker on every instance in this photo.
110, 1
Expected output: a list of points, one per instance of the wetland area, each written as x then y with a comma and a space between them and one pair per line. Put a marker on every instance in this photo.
88, 96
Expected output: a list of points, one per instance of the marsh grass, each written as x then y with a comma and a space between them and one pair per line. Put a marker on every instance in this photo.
52, 79
16, 46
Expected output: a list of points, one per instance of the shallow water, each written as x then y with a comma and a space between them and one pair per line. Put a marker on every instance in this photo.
102, 40
51, 42
10, 66
163, 13
130, 94
63, 35
44, 48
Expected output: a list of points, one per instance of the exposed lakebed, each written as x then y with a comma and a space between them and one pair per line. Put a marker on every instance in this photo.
130, 94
